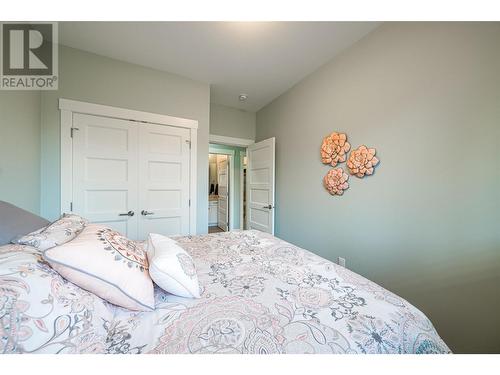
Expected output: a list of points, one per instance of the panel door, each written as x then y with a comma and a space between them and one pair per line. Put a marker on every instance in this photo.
164, 157
223, 181
105, 172
260, 185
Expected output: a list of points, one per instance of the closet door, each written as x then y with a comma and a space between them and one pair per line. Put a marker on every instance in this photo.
105, 186
163, 180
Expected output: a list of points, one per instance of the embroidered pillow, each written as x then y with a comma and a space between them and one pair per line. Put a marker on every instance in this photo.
58, 233
107, 264
171, 268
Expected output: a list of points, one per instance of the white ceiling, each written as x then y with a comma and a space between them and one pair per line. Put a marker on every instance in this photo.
260, 59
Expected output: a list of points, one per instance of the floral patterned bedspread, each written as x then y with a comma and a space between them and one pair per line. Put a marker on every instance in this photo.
260, 295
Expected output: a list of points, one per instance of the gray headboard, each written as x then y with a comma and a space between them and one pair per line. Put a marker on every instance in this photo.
15, 221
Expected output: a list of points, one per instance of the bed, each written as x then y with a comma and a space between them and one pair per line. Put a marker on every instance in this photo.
259, 295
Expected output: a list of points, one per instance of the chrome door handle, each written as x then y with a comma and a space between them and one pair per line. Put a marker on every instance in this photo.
130, 213
145, 213
268, 207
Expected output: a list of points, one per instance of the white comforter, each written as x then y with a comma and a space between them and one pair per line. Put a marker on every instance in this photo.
260, 295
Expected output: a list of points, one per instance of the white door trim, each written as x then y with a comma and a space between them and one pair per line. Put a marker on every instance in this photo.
69, 107
230, 141
125, 114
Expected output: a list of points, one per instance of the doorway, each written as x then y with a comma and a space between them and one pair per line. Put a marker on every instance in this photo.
251, 177
218, 195
225, 188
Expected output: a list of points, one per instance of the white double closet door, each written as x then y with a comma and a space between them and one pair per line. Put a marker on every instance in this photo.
131, 176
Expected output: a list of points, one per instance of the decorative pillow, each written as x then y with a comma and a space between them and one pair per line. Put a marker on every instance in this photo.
107, 264
57, 233
171, 268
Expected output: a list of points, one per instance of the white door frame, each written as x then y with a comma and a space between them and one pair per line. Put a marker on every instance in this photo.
230, 141
69, 107
230, 155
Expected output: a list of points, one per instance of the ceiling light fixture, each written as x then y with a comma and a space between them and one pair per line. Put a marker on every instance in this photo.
243, 97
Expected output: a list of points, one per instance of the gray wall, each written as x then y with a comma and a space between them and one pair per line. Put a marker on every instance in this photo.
20, 149
426, 225
231, 122
96, 79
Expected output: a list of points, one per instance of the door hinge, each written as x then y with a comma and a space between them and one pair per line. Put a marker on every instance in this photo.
190, 203
72, 131
71, 206
188, 142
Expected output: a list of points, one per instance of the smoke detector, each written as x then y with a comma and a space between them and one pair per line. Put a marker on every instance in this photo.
243, 97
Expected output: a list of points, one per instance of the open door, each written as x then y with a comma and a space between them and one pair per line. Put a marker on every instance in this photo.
260, 185
222, 177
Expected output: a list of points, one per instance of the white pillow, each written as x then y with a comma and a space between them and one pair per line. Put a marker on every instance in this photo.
171, 268
107, 264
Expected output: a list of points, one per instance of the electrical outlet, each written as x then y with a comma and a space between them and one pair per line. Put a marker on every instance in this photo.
341, 261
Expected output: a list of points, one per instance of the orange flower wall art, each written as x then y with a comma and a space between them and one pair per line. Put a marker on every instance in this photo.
335, 181
362, 161
334, 149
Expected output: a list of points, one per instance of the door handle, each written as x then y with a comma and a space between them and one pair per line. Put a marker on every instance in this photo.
268, 207
145, 213
130, 213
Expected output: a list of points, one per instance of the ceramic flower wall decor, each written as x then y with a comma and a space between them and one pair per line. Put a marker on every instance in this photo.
334, 148
335, 181
362, 161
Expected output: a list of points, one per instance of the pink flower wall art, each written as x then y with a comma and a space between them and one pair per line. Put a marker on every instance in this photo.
335, 181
